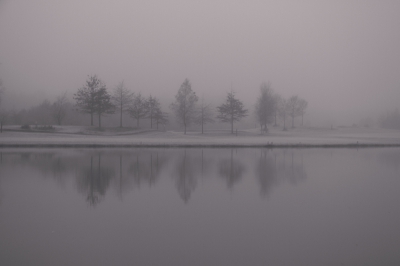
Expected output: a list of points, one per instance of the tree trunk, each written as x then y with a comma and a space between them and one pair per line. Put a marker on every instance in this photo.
184, 125
120, 121
137, 122
292, 121
99, 120
302, 120
91, 119
202, 131
232, 124
284, 122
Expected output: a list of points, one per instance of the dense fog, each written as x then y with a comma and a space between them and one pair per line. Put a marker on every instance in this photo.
343, 57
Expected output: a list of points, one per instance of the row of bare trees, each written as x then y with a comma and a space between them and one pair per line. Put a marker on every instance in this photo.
271, 105
187, 111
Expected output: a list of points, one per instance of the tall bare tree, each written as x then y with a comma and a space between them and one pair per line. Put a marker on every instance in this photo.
138, 109
302, 109
153, 107
293, 107
86, 96
122, 99
283, 110
185, 104
205, 115
2, 89
232, 110
265, 106
3, 114
59, 108
277, 100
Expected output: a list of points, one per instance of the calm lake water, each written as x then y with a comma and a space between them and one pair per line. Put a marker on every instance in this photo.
200, 207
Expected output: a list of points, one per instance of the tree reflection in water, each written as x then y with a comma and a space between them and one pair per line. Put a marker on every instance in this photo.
184, 171
96, 172
146, 167
231, 170
274, 167
94, 181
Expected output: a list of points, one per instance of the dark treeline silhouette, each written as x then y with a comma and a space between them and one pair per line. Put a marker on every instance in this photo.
95, 172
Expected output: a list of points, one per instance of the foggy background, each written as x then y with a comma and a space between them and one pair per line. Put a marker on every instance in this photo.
343, 57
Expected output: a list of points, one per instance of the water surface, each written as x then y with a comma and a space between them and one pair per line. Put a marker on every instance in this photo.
200, 206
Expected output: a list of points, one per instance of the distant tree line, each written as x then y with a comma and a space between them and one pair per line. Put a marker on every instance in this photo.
96, 100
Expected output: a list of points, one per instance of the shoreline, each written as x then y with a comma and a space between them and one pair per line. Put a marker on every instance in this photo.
299, 138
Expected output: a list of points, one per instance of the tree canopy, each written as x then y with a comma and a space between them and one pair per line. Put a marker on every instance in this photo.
232, 110
184, 106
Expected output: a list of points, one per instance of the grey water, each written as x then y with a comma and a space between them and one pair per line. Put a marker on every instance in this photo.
200, 206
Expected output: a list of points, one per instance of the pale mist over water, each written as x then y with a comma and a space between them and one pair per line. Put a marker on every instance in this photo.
199, 206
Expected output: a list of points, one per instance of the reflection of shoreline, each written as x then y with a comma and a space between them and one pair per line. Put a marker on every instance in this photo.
122, 171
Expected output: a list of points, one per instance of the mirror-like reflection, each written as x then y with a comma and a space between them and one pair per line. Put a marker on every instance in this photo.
97, 170
215, 206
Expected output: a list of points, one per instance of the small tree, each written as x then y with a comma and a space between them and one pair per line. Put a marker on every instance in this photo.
86, 96
138, 108
265, 106
302, 109
232, 110
59, 108
185, 104
205, 115
104, 104
122, 99
153, 107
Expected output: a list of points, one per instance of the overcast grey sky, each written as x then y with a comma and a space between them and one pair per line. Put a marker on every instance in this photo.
342, 56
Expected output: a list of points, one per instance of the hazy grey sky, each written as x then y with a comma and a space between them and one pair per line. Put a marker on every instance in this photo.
335, 54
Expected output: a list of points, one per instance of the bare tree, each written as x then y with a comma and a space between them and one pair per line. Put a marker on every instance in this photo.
122, 99
161, 117
205, 115
277, 100
185, 104
3, 119
153, 107
104, 104
265, 106
283, 110
138, 108
86, 96
302, 109
60, 108
293, 107
3, 114
232, 110
2, 89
